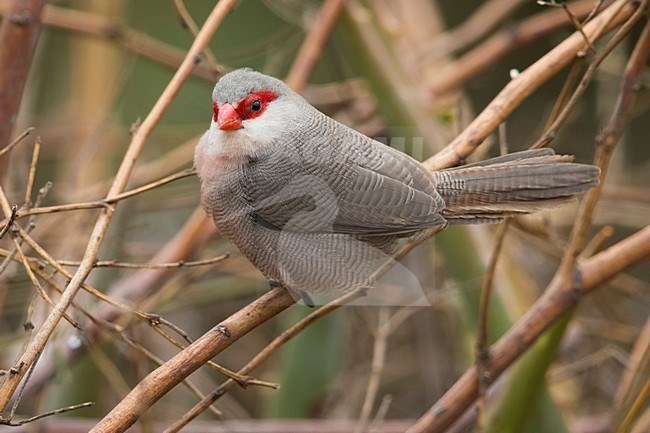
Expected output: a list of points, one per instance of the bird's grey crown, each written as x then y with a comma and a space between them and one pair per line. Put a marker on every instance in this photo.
240, 83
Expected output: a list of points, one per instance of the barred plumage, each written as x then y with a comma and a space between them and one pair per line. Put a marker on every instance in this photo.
319, 207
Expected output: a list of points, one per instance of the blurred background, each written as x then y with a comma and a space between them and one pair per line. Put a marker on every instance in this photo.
411, 73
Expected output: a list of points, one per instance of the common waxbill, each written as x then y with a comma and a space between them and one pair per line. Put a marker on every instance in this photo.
318, 207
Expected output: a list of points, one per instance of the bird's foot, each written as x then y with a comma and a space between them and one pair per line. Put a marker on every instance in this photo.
296, 294
306, 299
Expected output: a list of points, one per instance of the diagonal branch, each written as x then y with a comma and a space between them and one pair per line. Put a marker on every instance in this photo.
517, 90
119, 184
571, 282
313, 45
163, 379
561, 295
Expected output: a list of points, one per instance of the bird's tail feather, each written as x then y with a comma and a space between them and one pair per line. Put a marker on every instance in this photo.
521, 182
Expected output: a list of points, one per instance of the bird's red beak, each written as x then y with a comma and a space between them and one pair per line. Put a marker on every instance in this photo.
227, 118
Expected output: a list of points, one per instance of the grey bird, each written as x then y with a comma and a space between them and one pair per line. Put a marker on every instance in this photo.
318, 207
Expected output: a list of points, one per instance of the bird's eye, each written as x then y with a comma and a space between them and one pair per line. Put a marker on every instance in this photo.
254, 105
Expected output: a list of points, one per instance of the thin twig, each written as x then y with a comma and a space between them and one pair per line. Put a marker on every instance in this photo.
529, 80
482, 343
607, 140
385, 327
30, 226
98, 204
32, 172
164, 322
261, 357
178, 264
569, 83
380, 416
16, 140
597, 241
376, 367
36, 283
313, 44
551, 132
46, 414
12, 216
635, 408
635, 372
28, 326
572, 18
594, 11
21, 389
187, 19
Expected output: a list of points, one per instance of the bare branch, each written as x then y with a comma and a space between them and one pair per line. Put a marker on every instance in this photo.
313, 45
157, 383
178, 264
561, 295
524, 85
16, 141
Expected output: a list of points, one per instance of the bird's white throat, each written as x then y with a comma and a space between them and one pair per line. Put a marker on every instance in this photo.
234, 146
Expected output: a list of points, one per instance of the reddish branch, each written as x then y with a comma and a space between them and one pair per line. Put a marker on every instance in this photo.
18, 35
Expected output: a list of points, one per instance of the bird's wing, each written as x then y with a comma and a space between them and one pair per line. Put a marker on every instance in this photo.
374, 191
378, 201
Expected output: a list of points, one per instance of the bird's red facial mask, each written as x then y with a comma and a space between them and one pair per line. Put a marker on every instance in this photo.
230, 118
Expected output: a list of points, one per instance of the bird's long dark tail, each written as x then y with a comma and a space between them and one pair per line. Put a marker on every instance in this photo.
517, 183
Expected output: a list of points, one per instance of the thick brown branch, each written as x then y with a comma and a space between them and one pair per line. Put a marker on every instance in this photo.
260, 358
19, 32
160, 381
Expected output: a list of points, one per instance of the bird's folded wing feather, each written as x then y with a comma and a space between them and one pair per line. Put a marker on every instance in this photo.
377, 192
